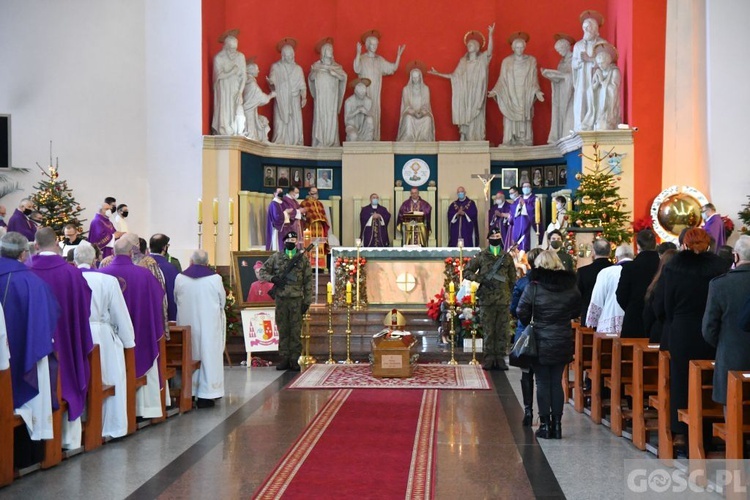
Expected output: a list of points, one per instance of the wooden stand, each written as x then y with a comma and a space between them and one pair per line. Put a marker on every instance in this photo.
392, 357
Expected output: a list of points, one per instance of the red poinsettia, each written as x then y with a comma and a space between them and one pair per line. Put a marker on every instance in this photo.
434, 305
728, 226
644, 222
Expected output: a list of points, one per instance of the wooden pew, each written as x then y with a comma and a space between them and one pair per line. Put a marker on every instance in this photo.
8, 423
623, 351
180, 357
737, 425
645, 384
700, 406
584, 344
601, 366
53, 447
133, 384
661, 402
97, 394
166, 374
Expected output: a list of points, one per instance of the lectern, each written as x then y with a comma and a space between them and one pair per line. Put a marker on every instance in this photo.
414, 229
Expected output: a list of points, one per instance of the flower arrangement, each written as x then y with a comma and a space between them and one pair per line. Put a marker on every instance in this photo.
728, 226
642, 223
468, 318
453, 269
346, 272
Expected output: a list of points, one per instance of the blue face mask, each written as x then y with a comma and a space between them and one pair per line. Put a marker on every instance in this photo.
704, 215
461, 196
375, 202
526, 190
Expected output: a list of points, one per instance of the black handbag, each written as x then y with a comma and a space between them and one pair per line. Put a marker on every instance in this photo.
524, 349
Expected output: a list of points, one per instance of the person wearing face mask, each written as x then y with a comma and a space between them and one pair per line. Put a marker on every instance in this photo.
122, 213
102, 231
495, 272
373, 220
20, 222
523, 217
293, 213
713, 225
462, 220
275, 221
293, 298
316, 220
2, 216
556, 244
112, 202
499, 215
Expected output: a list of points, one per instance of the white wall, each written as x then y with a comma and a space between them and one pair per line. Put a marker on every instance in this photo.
115, 85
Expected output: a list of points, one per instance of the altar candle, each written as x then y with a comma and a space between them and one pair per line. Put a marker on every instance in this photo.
329, 295
460, 243
538, 211
216, 210
348, 292
451, 287
231, 211
569, 204
473, 293
200, 210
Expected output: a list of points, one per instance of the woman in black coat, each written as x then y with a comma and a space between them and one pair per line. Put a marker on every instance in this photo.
554, 298
686, 280
653, 323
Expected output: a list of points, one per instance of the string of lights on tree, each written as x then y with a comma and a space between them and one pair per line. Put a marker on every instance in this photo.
55, 201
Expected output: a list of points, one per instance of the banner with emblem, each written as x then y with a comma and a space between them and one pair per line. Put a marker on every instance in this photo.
260, 331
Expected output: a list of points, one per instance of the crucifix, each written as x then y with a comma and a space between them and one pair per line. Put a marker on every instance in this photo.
486, 180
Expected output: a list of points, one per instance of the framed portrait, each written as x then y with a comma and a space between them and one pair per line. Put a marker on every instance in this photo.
325, 178
250, 290
282, 177
510, 177
537, 177
524, 175
297, 178
309, 181
269, 177
562, 175
550, 176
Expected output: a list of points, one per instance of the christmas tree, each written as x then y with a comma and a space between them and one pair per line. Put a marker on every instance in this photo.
55, 201
597, 202
745, 217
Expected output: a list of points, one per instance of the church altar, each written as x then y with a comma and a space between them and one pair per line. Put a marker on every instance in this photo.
403, 276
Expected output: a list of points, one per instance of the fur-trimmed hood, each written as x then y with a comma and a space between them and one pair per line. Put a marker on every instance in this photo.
701, 264
554, 281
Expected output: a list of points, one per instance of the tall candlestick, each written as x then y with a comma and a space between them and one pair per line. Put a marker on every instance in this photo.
538, 211
329, 294
231, 211
216, 210
460, 260
349, 292
358, 242
200, 210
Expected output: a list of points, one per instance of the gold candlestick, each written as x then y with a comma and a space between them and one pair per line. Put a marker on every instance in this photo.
348, 334
231, 262
330, 335
460, 261
358, 306
473, 328
200, 235
453, 311
306, 359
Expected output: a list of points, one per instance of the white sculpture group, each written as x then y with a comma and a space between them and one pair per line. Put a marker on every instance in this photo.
585, 91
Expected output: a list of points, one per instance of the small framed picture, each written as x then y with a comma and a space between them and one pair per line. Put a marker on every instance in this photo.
524, 175
310, 178
325, 178
282, 180
251, 290
510, 178
269, 178
537, 177
550, 176
562, 175
297, 178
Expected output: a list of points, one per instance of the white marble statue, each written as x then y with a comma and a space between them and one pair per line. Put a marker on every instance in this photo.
372, 66
288, 81
469, 85
416, 123
606, 88
256, 125
562, 89
583, 63
228, 82
358, 121
515, 91
327, 81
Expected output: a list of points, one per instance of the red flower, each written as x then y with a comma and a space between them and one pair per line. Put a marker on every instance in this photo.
448, 260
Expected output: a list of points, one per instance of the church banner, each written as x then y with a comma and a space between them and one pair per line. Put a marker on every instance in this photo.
260, 332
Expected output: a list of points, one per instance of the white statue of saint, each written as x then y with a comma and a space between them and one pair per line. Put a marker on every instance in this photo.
372, 66
288, 81
606, 88
562, 89
327, 80
417, 123
469, 84
228, 81
515, 91
583, 63
256, 125
358, 121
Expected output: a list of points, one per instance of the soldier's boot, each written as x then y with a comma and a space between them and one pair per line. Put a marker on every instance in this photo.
527, 390
501, 364
488, 362
283, 365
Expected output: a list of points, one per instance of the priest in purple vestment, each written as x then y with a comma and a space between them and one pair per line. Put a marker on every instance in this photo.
499, 215
373, 223
20, 222
73, 341
462, 220
415, 203
713, 225
3, 213
523, 218
158, 246
102, 232
274, 222
293, 214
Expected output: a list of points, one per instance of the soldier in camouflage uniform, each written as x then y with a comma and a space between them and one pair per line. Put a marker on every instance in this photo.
493, 269
293, 298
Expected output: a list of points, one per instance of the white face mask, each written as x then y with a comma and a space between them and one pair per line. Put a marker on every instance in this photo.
499, 202
560, 206
108, 213
513, 196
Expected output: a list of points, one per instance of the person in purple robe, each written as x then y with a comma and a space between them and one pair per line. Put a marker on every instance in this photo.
499, 215
3, 213
158, 246
144, 297
275, 221
462, 220
293, 214
415, 203
523, 218
713, 225
102, 232
20, 222
373, 223
72, 337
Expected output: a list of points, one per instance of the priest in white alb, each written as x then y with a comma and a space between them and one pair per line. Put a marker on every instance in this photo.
604, 314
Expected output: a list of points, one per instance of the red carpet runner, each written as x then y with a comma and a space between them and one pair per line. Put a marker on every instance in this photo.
364, 443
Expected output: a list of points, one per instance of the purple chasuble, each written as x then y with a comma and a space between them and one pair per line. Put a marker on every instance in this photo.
73, 341
415, 206
375, 235
714, 226
144, 297
21, 224
463, 227
31, 314
274, 220
522, 224
101, 233
196, 271
289, 203
502, 223
170, 272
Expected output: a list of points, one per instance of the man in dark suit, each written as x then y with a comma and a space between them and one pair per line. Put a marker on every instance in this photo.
634, 280
721, 321
587, 274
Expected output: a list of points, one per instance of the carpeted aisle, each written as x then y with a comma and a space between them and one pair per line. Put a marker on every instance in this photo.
363, 443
